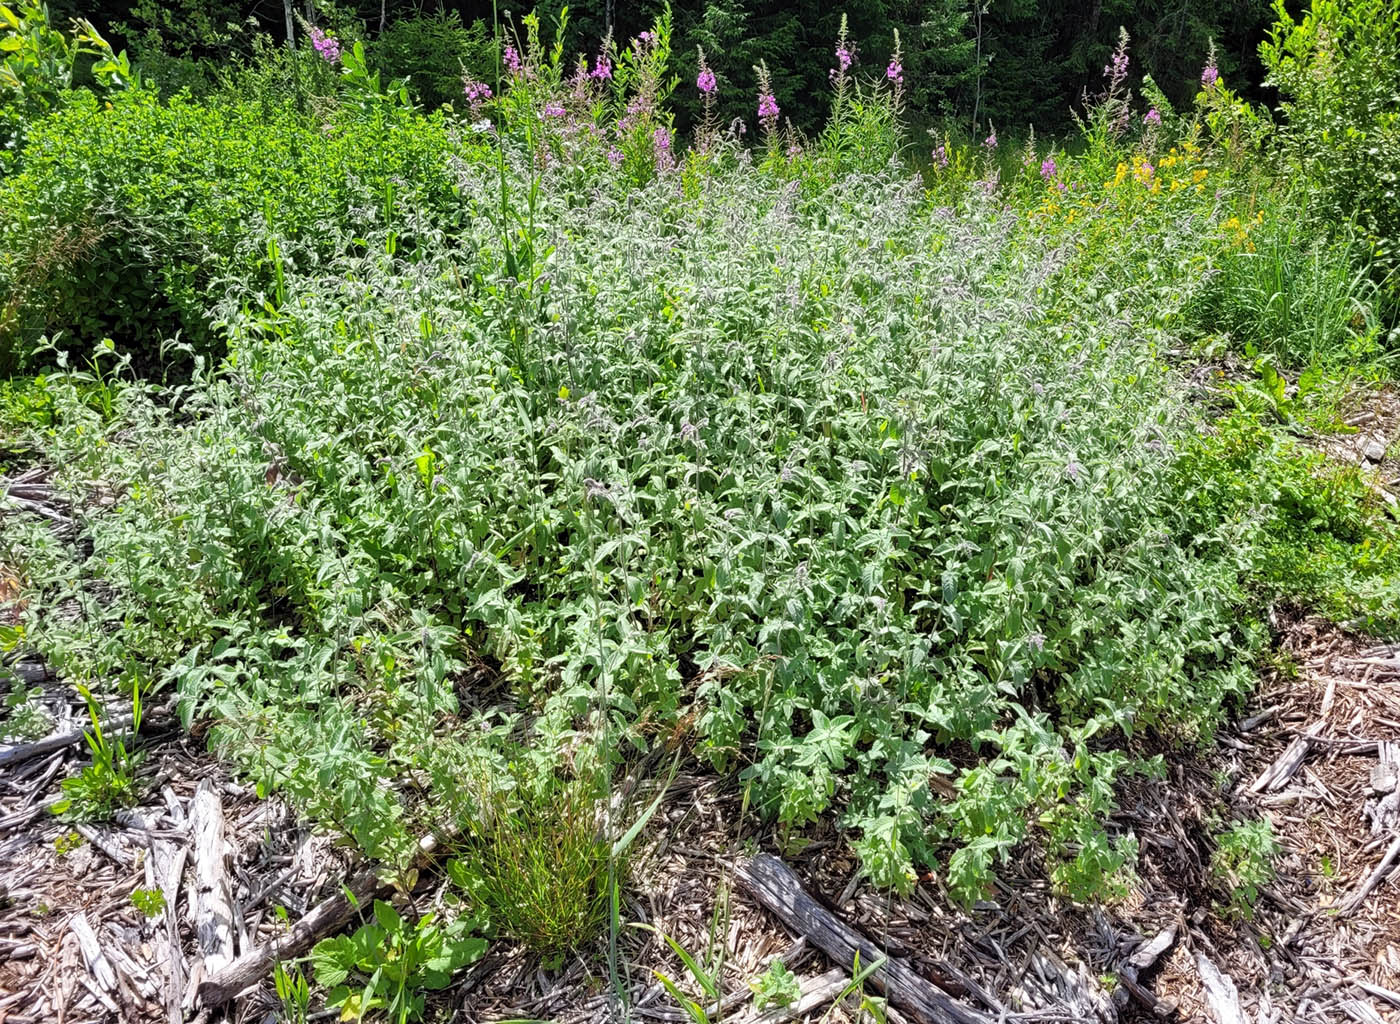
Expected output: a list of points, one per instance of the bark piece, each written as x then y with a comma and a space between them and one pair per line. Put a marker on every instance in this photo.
773, 884
97, 964
213, 912
1288, 763
1369, 883
1221, 994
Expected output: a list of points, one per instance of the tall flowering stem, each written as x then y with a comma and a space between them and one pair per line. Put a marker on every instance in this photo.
768, 111
708, 87
1210, 74
326, 47
894, 73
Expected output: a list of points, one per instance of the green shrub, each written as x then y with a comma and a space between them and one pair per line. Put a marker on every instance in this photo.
40, 64
1318, 532
125, 214
433, 51
1243, 862
1338, 70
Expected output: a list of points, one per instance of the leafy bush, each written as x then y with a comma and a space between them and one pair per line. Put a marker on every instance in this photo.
434, 52
123, 216
387, 964
868, 484
1338, 69
38, 65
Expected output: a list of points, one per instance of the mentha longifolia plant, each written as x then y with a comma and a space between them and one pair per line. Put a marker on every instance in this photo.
875, 487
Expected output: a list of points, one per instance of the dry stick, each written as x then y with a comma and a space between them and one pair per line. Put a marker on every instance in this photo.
323, 919
780, 892
1352, 902
112, 729
1288, 762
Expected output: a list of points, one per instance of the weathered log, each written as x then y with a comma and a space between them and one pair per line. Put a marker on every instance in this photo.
213, 912
779, 891
113, 729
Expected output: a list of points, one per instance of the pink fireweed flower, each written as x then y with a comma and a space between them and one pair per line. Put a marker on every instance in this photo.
940, 157
1210, 74
991, 140
476, 92
661, 149
1153, 117
512, 59
552, 109
705, 82
1047, 168
767, 107
602, 69
1117, 67
326, 47
895, 72
646, 38
615, 156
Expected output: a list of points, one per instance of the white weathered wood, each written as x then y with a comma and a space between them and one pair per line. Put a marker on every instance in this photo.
1149, 952
97, 964
1369, 883
214, 910
1221, 994
173, 865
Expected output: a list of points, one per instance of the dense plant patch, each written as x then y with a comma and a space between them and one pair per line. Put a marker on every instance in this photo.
543, 443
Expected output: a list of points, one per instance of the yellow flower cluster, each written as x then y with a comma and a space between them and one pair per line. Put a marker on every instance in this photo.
1237, 231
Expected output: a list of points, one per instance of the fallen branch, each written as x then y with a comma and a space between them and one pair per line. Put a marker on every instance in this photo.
113, 729
1352, 902
322, 920
780, 892
1288, 762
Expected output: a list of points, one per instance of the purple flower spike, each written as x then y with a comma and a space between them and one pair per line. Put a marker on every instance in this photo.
706, 82
1153, 117
327, 47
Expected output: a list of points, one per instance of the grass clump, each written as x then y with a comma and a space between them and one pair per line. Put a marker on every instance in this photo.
538, 864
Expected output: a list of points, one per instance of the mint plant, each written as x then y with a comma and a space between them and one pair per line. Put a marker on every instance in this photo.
388, 963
